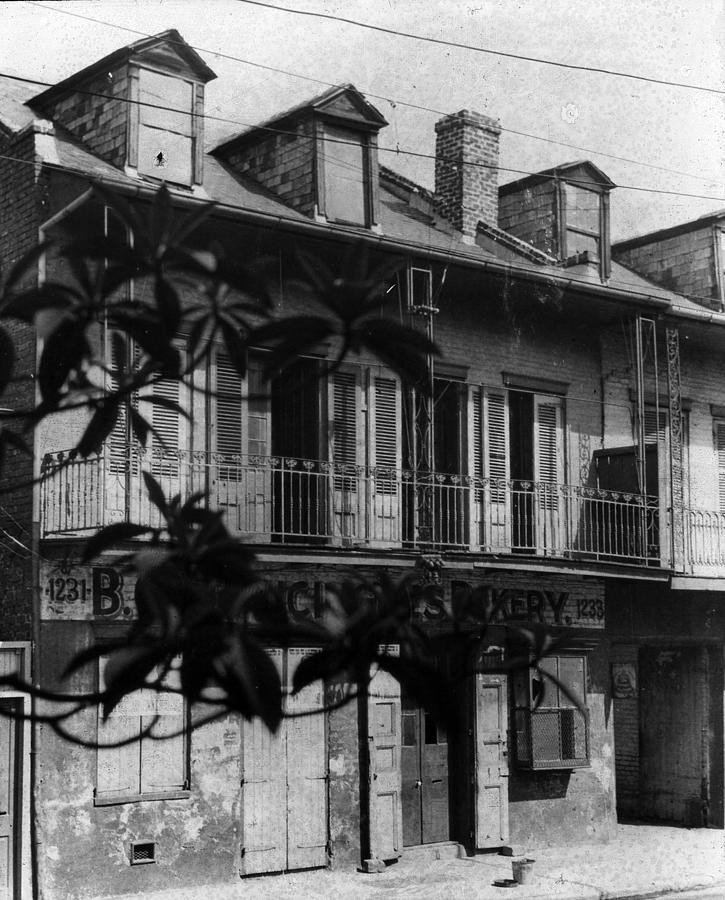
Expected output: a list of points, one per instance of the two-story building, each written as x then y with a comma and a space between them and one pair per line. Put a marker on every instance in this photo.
545, 483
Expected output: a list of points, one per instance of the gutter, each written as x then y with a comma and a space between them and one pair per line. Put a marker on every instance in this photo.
319, 229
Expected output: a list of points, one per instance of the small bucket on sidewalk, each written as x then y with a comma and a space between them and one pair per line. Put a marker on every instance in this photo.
523, 870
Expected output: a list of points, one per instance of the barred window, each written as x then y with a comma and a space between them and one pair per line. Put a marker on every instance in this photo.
551, 731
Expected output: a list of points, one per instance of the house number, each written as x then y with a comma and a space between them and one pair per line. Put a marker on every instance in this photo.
67, 590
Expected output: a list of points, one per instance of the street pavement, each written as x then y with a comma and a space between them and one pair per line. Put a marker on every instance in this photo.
642, 861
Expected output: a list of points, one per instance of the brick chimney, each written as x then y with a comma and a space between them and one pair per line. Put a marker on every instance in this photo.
466, 170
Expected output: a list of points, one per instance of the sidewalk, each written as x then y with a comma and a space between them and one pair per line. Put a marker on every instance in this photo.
643, 861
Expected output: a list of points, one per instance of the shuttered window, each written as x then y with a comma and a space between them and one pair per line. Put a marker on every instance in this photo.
720, 455
549, 449
144, 768
552, 732
387, 436
345, 418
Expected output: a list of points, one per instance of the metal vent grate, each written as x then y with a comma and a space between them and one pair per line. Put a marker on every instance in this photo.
142, 852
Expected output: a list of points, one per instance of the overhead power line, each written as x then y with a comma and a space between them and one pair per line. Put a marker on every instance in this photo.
461, 46
391, 100
397, 151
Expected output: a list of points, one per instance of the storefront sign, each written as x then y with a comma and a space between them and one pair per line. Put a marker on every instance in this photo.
104, 593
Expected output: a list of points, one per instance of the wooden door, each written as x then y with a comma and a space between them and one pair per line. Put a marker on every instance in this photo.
384, 770
9, 805
425, 781
264, 795
491, 760
674, 716
306, 772
284, 785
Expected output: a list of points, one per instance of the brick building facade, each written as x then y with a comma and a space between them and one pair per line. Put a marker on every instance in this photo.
548, 478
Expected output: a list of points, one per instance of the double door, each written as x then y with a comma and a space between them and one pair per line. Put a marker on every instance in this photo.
284, 781
425, 778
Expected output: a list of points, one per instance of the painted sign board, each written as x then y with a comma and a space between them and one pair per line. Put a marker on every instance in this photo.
104, 592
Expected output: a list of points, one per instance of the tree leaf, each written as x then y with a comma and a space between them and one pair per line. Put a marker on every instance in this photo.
65, 349
110, 535
102, 423
167, 301
156, 495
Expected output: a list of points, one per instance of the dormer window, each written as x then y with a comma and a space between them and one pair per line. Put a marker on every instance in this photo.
584, 225
167, 128
583, 221
344, 188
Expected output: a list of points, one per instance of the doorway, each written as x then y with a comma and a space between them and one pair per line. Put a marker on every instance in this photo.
10, 781
425, 776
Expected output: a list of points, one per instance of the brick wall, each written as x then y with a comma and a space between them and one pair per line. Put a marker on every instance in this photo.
530, 214
681, 262
22, 196
466, 169
283, 163
96, 112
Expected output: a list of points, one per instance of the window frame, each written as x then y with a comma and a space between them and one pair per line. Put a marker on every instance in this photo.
113, 798
135, 126
528, 709
366, 139
601, 235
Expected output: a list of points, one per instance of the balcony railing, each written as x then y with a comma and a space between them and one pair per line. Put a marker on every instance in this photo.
704, 541
286, 500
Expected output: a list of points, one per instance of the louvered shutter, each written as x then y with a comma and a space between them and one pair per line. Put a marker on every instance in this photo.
720, 451
384, 498
495, 438
241, 476
655, 425
346, 443
548, 449
475, 464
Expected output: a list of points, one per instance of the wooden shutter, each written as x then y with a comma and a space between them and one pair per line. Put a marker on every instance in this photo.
491, 760
720, 453
345, 405
384, 496
346, 452
655, 425
386, 410
384, 784
306, 750
118, 769
495, 438
264, 794
163, 762
228, 404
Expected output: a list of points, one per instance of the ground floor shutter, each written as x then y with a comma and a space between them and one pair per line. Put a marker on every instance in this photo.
491, 760
384, 770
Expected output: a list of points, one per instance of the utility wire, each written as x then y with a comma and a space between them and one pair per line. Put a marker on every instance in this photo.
397, 151
393, 102
460, 46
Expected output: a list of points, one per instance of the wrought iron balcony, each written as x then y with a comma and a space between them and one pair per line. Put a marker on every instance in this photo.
704, 532
301, 501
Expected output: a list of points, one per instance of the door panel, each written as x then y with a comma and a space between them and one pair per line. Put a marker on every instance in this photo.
384, 746
306, 773
425, 782
491, 754
9, 782
264, 796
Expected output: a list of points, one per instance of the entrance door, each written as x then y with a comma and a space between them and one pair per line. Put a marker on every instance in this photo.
9, 794
491, 760
674, 717
424, 760
284, 784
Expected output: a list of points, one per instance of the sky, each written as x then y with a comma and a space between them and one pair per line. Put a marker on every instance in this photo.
669, 140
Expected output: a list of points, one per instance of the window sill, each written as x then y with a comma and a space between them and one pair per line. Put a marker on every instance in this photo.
116, 799
554, 765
